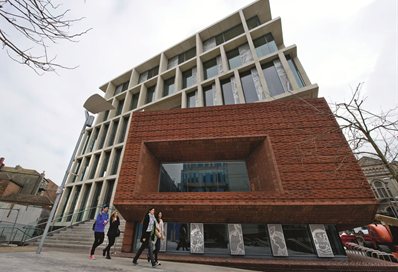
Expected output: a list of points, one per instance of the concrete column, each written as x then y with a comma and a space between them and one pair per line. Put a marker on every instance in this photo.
199, 97
238, 85
288, 71
224, 60
178, 80
218, 92
277, 240
183, 100
141, 99
262, 80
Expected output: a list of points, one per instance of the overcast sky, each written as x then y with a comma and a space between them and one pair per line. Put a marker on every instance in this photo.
340, 43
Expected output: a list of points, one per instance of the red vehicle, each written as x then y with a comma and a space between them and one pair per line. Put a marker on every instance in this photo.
382, 237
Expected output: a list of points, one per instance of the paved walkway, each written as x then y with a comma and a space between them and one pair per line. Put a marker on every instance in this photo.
14, 261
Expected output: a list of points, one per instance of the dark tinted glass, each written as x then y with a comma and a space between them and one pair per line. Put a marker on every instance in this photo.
216, 238
249, 90
296, 73
298, 240
187, 79
134, 101
150, 94
168, 86
272, 78
204, 177
256, 239
253, 22
227, 93
234, 58
334, 240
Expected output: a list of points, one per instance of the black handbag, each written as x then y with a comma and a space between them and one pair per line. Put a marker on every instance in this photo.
117, 232
94, 226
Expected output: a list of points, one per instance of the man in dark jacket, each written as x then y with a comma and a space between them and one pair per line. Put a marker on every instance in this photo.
148, 230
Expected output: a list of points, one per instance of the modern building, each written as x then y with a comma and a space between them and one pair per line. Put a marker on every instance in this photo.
385, 188
224, 133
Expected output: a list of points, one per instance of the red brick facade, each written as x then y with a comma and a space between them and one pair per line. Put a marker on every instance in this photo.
300, 167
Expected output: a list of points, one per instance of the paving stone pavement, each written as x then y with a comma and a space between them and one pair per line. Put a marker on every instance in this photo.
78, 262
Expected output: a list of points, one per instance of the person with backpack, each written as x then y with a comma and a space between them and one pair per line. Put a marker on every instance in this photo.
99, 229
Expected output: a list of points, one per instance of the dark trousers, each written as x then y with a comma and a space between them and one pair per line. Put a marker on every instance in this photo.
111, 242
145, 244
98, 239
157, 248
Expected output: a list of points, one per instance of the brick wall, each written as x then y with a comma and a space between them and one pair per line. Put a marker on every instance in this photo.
312, 176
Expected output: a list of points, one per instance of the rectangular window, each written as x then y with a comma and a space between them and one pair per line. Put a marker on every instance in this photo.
106, 114
272, 78
105, 164
216, 238
103, 136
116, 160
121, 87
111, 138
187, 55
93, 139
253, 22
229, 34
234, 58
230, 176
169, 86
109, 191
83, 203
87, 162
150, 94
188, 79
227, 92
249, 89
67, 192
94, 166
209, 96
191, 100
73, 203
134, 101
296, 72
298, 240
265, 45
86, 141
148, 74
122, 134
256, 240
210, 68
75, 173
95, 200
119, 107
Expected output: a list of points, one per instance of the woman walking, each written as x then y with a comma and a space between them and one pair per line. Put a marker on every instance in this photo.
160, 235
148, 230
113, 232
99, 229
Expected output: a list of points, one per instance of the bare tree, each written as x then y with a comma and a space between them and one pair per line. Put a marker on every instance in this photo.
28, 27
368, 133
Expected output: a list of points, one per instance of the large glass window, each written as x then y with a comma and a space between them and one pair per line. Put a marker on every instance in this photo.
229, 34
169, 86
256, 240
227, 92
94, 166
187, 55
216, 238
208, 95
298, 240
109, 191
103, 136
178, 237
73, 204
76, 171
93, 139
116, 160
188, 78
334, 240
191, 99
253, 22
105, 164
210, 68
87, 162
265, 45
83, 203
272, 78
249, 89
119, 108
234, 58
296, 72
66, 195
95, 200
122, 133
228, 176
112, 135
148, 74
150, 94
121, 87
134, 101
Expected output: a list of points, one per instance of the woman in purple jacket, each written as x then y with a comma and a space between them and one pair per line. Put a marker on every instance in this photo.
99, 230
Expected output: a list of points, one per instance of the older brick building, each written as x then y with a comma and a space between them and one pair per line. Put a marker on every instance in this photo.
300, 169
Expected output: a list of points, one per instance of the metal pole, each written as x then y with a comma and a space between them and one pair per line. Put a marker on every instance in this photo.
88, 122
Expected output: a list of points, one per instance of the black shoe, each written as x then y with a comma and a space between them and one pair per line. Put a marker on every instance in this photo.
149, 259
158, 263
155, 265
135, 262
103, 252
108, 257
